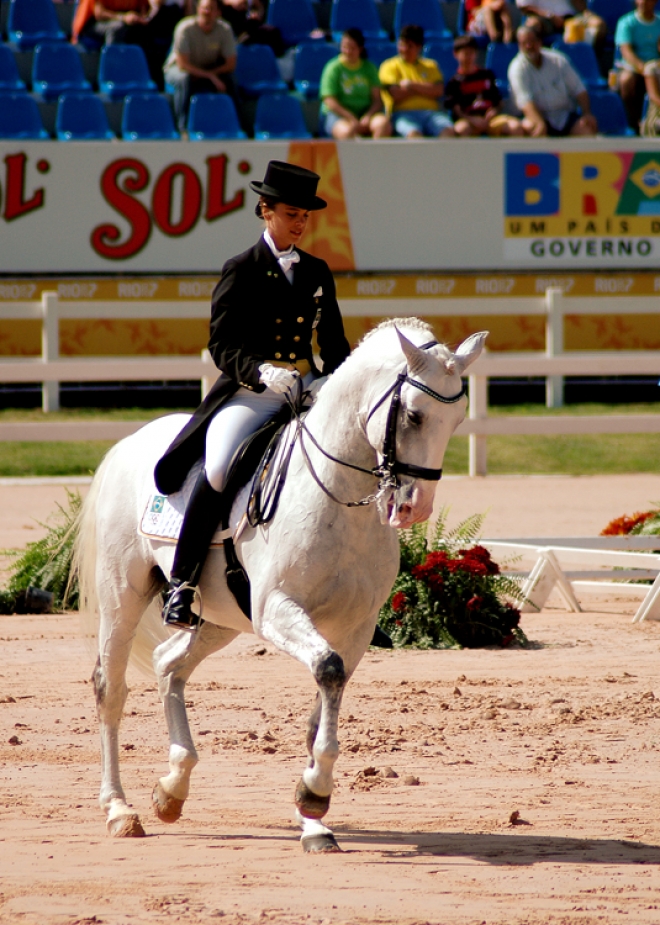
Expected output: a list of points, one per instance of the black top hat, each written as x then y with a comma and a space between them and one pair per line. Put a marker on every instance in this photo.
293, 185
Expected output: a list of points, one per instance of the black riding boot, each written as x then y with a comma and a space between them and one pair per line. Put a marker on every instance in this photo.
200, 522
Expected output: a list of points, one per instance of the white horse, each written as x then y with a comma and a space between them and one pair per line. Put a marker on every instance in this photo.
319, 570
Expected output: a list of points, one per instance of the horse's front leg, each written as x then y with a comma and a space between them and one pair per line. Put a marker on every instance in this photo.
174, 661
290, 628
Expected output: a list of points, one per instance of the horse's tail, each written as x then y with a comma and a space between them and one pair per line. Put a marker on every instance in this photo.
85, 555
151, 630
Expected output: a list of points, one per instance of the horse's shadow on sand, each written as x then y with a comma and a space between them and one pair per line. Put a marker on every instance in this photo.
500, 849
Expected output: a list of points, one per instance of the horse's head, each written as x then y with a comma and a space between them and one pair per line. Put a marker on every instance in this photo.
431, 405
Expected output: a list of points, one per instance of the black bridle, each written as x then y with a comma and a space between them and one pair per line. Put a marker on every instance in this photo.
390, 469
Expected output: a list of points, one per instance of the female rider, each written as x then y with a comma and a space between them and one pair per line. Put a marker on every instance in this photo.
264, 309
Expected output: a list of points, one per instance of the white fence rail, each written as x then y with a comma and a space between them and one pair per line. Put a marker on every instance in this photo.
50, 369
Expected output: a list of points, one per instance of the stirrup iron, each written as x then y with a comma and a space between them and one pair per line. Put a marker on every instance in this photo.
196, 620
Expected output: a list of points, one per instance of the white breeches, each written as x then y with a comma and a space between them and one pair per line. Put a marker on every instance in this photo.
243, 414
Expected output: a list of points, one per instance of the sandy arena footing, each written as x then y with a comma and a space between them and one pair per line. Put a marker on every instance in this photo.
565, 734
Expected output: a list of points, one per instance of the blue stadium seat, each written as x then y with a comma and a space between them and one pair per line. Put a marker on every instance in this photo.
213, 115
20, 117
608, 109
309, 61
56, 68
147, 117
611, 11
279, 115
81, 117
356, 14
257, 71
444, 57
380, 50
583, 58
498, 58
31, 22
294, 18
9, 79
425, 13
122, 70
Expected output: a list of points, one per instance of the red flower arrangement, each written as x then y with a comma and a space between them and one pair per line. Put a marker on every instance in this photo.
450, 594
622, 526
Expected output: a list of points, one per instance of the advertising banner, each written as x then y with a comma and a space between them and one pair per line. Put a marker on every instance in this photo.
485, 205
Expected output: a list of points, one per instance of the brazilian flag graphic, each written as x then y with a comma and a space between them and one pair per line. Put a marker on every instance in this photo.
641, 192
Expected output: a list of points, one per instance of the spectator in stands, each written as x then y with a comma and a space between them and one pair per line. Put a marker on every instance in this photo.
491, 18
350, 90
108, 21
552, 15
202, 58
247, 20
147, 23
585, 26
636, 36
548, 91
472, 97
413, 89
650, 125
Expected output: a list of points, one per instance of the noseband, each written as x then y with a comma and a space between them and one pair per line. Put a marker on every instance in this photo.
390, 469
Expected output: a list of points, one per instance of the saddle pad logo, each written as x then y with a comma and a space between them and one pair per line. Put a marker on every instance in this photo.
157, 504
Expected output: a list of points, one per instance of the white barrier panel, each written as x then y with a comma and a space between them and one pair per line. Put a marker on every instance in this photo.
394, 205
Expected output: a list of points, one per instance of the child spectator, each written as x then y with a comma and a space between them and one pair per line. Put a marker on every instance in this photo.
350, 90
472, 97
413, 89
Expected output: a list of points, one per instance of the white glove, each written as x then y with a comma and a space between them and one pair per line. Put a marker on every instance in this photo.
277, 379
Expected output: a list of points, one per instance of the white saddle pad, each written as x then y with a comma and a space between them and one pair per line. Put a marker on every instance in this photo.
163, 514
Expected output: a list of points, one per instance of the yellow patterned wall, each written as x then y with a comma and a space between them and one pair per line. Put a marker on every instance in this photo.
168, 336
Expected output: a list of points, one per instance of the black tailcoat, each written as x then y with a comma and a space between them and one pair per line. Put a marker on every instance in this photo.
257, 316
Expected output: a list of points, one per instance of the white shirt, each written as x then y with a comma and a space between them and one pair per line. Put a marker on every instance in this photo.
553, 87
290, 251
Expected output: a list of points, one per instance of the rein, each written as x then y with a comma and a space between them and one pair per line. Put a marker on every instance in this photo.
262, 510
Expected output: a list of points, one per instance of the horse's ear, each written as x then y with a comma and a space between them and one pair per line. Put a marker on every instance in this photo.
468, 351
415, 357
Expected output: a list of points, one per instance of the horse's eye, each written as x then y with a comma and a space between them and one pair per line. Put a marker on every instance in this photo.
415, 418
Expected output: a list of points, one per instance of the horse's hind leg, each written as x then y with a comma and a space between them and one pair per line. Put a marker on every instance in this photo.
174, 662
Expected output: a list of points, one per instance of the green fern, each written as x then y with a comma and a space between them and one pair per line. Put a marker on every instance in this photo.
46, 563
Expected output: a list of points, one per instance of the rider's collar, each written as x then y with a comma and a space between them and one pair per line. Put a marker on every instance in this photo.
271, 244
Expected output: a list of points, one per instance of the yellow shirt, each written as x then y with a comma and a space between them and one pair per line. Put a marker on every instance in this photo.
423, 71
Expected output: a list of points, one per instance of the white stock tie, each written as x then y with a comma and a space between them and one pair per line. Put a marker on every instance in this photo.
287, 260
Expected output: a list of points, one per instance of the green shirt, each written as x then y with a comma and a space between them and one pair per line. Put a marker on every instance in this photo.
351, 87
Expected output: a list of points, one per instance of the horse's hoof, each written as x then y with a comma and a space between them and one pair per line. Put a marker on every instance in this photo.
309, 804
125, 827
166, 807
319, 844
